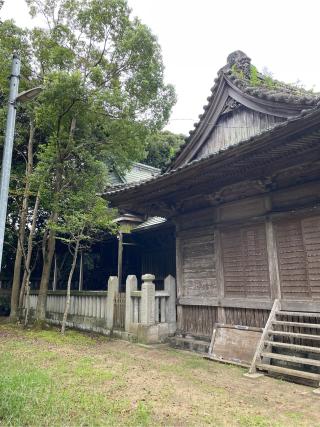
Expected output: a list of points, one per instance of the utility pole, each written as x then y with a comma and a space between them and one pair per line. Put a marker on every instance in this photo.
8, 147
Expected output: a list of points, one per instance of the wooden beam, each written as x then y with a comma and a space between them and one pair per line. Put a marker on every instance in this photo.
120, 258
179, 274
219, 272
227, 302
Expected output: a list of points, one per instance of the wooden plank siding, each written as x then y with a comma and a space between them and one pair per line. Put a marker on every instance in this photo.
198, 263
234, 127
298, 247
245, 262
246, 316
198, 320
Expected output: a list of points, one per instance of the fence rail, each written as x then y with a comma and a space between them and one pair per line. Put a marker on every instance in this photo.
87, 311
133, 311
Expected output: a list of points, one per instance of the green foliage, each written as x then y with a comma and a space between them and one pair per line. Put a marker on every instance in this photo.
254, 76
237, 72
104, 92
161, 147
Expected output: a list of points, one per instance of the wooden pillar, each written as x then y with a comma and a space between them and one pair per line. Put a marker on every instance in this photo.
179, 274
120, 258
219, 274
81, 272
55, 274
275, 288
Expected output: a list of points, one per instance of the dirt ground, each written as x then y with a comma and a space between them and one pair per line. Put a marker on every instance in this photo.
82, 379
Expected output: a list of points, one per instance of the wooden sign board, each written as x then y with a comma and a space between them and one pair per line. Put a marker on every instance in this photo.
234, 343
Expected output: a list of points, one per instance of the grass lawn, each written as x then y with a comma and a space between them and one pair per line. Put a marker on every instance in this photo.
84, 380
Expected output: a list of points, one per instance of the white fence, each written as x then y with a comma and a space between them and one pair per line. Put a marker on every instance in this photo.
150, 316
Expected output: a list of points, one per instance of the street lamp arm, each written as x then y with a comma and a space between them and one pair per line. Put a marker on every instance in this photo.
29, 94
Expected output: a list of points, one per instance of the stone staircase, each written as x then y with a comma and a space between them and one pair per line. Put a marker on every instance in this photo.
289, 346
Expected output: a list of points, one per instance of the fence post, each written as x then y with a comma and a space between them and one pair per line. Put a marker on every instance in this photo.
113, 286
148, 296
171, 316
131, 286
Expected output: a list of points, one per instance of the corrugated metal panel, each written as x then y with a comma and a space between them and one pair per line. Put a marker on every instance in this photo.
156, 220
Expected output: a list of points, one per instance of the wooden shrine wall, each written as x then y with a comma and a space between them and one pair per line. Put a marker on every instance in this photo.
298, 247
197, 256
234, 260
245, 262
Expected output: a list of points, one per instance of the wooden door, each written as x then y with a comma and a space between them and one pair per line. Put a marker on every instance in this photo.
298, 248
245, 262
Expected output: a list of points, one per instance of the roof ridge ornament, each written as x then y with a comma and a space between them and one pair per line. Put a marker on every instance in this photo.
240, 61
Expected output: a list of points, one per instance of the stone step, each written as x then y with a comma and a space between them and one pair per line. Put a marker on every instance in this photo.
191, 344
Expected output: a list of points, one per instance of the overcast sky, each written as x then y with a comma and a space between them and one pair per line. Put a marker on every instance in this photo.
197, 36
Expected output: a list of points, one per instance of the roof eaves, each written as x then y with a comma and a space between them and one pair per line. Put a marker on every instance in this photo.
305, 114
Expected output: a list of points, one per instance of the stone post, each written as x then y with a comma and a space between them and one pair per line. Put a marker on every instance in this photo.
113, 286
131, 286
148, 296
171, 316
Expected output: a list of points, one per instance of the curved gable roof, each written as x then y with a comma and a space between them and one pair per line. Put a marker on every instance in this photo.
241, 83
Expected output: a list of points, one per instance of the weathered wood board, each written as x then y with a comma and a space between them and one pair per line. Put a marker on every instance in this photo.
234, 344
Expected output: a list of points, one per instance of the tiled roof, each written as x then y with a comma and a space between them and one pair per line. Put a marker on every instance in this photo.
240, 73
138, 172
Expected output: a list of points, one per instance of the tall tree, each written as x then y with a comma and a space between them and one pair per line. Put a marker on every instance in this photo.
161, 147
103, 75
85, 214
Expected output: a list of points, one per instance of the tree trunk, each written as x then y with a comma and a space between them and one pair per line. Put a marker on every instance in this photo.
21, 234
46, 270
66, 310
27, 269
